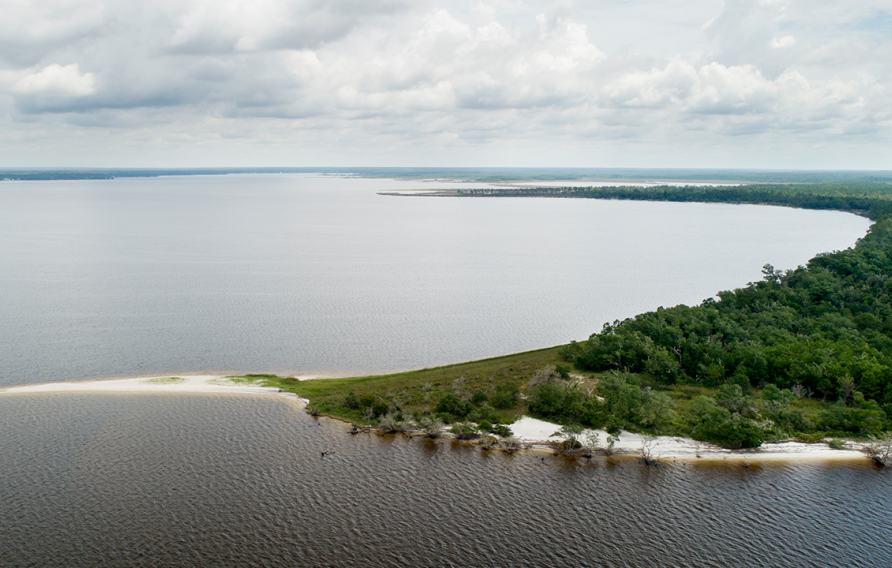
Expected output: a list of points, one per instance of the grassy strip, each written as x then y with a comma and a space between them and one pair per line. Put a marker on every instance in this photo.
421, 390
165, 380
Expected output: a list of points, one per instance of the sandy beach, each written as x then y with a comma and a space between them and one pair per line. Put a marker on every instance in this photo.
539, 433
198, 384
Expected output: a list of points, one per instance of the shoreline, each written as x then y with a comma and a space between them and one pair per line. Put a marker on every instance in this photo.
536, 435
176, 384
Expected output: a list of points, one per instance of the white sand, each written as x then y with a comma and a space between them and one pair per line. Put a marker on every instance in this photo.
189, 384
539, 432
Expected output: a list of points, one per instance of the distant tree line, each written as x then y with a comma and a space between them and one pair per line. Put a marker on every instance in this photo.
871, 199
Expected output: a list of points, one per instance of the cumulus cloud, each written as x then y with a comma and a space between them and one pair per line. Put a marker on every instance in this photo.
56, 80
463, 79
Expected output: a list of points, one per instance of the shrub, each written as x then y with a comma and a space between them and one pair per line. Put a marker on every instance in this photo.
484, 426
715, 424
487, 442
432, 427
510, 444
465, 431
454, 406
545, 375
501, 430
380, 408
479, 398
485, 412
351, 401
366, 400
506, 396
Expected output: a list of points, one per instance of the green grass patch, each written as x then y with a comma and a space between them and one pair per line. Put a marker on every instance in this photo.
421, 390
165, 380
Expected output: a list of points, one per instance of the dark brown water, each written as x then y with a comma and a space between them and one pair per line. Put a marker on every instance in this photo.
169, 480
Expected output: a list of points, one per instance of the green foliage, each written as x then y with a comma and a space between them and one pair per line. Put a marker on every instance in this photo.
715, 424
484, 426
465, 431
351, 401
501, 430
826, 327
478, 398
506, 396
454, 406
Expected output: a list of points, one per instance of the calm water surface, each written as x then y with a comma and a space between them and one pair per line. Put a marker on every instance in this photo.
319, 275
307, 275
167, 480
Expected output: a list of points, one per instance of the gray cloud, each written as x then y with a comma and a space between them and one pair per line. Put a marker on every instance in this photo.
403, 82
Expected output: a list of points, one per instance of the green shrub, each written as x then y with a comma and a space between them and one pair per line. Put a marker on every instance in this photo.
484, 426
501, 430
485, 412
351, 401
563, 370
506, 396
465, 431
454, 406
380, 408
716, 425
479, 398
366, 400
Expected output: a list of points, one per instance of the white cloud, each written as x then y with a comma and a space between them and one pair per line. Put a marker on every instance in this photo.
782, 42
474, 77
57, 80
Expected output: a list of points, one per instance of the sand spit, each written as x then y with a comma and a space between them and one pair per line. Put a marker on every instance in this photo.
206, 384
540, 433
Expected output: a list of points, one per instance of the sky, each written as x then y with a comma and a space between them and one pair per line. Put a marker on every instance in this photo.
798, 84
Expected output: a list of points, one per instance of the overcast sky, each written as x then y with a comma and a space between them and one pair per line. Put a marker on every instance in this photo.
639, 83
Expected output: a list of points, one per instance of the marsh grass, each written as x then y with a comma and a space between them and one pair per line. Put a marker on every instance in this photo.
165, 380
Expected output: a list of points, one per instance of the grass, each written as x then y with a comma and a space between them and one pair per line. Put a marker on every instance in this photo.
419, 390
165, 380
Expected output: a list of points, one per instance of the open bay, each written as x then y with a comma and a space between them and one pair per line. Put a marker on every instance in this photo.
319, 275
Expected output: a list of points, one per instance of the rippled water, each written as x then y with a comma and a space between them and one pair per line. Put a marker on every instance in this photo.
169, 480
319, 275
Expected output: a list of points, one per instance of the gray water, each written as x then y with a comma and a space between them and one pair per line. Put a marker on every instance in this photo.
172, 480
319, 275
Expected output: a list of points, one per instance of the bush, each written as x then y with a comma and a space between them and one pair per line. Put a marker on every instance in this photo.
351, 401
465, 431
380, 408
563, 370
485, 412
479, 398
716, 425
545, 375
432, 427
505, 397
454, 406
501, 430
565, 404
484, 426
366, 400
